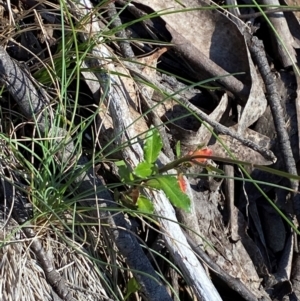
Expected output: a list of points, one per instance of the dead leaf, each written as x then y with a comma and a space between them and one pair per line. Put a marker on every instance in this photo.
209, 31
256, 103
204, 134
202, 67
293, 19
149, 68
239, 150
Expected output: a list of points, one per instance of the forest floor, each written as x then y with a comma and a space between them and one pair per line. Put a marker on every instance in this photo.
149, 150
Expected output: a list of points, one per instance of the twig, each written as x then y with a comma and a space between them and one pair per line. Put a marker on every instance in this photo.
204, 117
116, 23
257, 50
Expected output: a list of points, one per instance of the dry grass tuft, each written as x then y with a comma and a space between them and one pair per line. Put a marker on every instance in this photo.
23, 279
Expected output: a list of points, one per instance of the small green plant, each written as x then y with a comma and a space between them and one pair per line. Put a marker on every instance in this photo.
148, 175
132, 287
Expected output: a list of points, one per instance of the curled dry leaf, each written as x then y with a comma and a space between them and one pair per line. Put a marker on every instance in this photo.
256, 104
149, 67
220, 39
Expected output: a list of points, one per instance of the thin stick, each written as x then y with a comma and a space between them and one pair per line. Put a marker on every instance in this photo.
121, 33
256, 48
204, 117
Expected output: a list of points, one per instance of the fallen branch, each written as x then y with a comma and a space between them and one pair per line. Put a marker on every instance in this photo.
133, 154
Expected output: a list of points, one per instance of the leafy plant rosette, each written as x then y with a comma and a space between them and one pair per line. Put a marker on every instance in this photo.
148, 175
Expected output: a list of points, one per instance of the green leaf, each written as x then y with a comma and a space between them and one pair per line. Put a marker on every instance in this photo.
153, 183
177, 148
172, 190
124, 173
132, 287
153, 145
145, 205
145, 169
